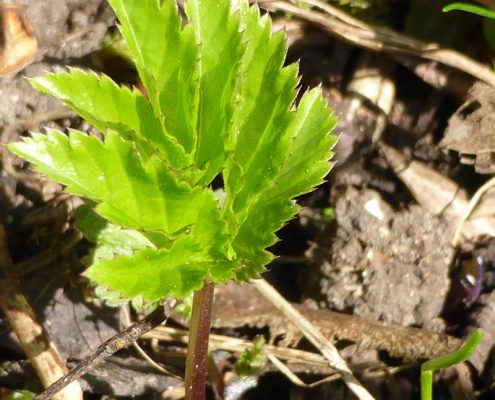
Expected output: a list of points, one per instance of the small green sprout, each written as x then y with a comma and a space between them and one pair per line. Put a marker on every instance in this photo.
329, 214
252, 360
457, 357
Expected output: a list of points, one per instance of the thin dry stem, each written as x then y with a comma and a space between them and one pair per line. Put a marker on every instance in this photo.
470, 208
139, 349
378, 38
326, 348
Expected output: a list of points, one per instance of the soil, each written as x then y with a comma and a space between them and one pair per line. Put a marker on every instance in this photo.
368, 244
376, 253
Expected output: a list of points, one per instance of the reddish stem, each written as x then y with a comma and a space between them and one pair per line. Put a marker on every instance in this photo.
197, 348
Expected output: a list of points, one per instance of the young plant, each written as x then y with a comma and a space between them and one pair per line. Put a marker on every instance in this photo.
192, 180
457, 357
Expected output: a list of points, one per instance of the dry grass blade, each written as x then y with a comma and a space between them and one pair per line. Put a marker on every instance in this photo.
236, 345
315, 337
377, 38
293, 377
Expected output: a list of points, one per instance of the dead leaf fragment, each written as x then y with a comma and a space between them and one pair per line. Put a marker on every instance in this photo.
18, 45
470, 130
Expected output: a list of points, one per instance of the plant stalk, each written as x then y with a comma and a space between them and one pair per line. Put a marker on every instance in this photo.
197, 348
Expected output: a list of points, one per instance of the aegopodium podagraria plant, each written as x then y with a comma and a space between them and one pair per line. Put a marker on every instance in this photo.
219, 105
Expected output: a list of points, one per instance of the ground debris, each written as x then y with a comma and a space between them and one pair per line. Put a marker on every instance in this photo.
381, 265
470, 130
242, 306
484, 318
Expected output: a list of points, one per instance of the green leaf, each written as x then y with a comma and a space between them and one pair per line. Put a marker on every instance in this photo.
109, 106
305, 167
267, 92
112, 239
166, 58
220, 101
278, 154
219, 40
152, 273
130, 192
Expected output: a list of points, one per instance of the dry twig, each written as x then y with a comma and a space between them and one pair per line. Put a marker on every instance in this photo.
106, 349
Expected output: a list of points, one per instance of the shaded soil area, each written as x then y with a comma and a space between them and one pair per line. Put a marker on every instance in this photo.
384, 259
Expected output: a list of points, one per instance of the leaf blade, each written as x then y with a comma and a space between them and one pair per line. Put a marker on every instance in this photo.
131, 192
106, 105
263, 113
151, 273
166, 65
219, 41
304, 169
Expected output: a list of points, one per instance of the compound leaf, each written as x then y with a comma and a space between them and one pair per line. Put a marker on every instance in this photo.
220, 101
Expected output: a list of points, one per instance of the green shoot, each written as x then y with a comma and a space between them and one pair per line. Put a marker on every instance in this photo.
252, 360
457, 357
220, 105
470, 8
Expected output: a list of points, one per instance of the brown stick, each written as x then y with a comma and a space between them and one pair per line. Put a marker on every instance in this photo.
33, 338
197, 348
106, 349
